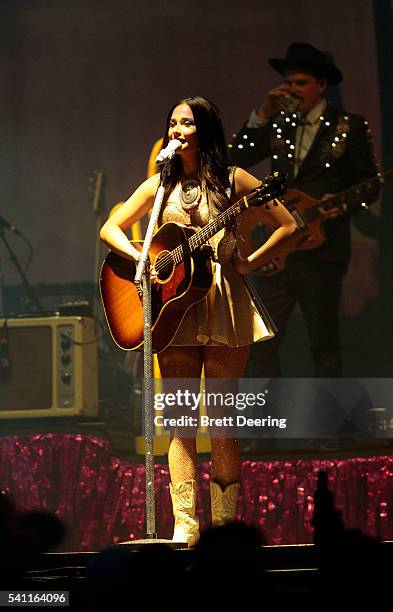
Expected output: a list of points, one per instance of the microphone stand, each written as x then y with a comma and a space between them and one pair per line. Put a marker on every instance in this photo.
97, 199
33, 298
2, 293
143, 284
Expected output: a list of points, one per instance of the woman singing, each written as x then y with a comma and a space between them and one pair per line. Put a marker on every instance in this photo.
217, 331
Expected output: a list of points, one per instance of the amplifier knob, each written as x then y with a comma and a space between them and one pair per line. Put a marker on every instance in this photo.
65, 344
65, 359
66, 377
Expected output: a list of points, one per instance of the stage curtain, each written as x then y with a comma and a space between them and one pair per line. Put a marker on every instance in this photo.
102, 498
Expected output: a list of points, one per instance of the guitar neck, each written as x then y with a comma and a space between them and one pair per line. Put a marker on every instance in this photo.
349, 199
200, 238
272, 187
212, 228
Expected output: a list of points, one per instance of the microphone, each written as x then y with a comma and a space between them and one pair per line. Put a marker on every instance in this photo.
7, 225
166, 154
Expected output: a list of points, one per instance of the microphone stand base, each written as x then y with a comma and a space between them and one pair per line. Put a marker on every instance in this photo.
139, 544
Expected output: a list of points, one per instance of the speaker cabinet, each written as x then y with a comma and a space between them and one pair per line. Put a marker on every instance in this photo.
48, 367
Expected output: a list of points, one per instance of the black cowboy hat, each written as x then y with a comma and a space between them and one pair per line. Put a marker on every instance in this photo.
303, 55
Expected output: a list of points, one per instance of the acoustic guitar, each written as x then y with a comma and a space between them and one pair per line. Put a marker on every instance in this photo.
182, 260
310, 219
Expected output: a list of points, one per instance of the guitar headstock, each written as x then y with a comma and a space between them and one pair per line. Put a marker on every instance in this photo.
272, 186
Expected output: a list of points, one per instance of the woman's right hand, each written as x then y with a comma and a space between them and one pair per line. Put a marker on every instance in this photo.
137, 205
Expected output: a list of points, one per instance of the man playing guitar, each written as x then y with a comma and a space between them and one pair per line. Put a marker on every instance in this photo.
324, 151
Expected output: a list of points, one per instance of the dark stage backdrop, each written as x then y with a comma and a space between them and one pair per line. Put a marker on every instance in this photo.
86, 85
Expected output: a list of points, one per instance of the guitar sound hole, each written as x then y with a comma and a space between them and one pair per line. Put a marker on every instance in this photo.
164, 265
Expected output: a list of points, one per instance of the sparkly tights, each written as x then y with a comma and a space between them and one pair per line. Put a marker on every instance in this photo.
219, 362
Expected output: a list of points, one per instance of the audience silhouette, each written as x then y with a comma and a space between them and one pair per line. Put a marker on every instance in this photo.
226, 570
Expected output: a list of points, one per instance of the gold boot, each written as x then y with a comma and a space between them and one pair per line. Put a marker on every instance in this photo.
223, 502
186, 522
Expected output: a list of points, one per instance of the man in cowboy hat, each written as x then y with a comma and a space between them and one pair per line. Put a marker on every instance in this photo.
324, 150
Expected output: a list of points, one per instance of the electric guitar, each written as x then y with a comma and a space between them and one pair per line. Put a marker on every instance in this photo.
310, 219
184, 274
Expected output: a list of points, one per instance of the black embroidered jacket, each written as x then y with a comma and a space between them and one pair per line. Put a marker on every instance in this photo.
341, 156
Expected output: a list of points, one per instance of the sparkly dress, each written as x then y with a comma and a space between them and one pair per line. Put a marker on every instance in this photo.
231, 313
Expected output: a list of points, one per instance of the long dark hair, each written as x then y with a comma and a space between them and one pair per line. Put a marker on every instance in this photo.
213, 170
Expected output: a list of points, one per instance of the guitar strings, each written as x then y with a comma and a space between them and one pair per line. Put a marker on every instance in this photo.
200, 237
339, 198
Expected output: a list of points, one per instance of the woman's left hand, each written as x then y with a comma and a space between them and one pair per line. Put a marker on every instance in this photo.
240, 263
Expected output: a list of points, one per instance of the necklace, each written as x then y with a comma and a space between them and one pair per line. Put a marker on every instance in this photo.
190, 194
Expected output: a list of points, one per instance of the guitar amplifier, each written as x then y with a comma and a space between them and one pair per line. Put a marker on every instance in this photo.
48, 367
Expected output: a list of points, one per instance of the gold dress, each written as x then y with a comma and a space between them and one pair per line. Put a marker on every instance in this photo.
231, 314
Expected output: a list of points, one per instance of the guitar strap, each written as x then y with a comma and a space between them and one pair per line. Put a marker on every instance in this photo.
231, 174
259, 305
234, 227
227, 243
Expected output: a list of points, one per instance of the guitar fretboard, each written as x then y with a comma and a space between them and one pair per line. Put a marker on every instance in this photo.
203, 235
258, 197
349, 199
